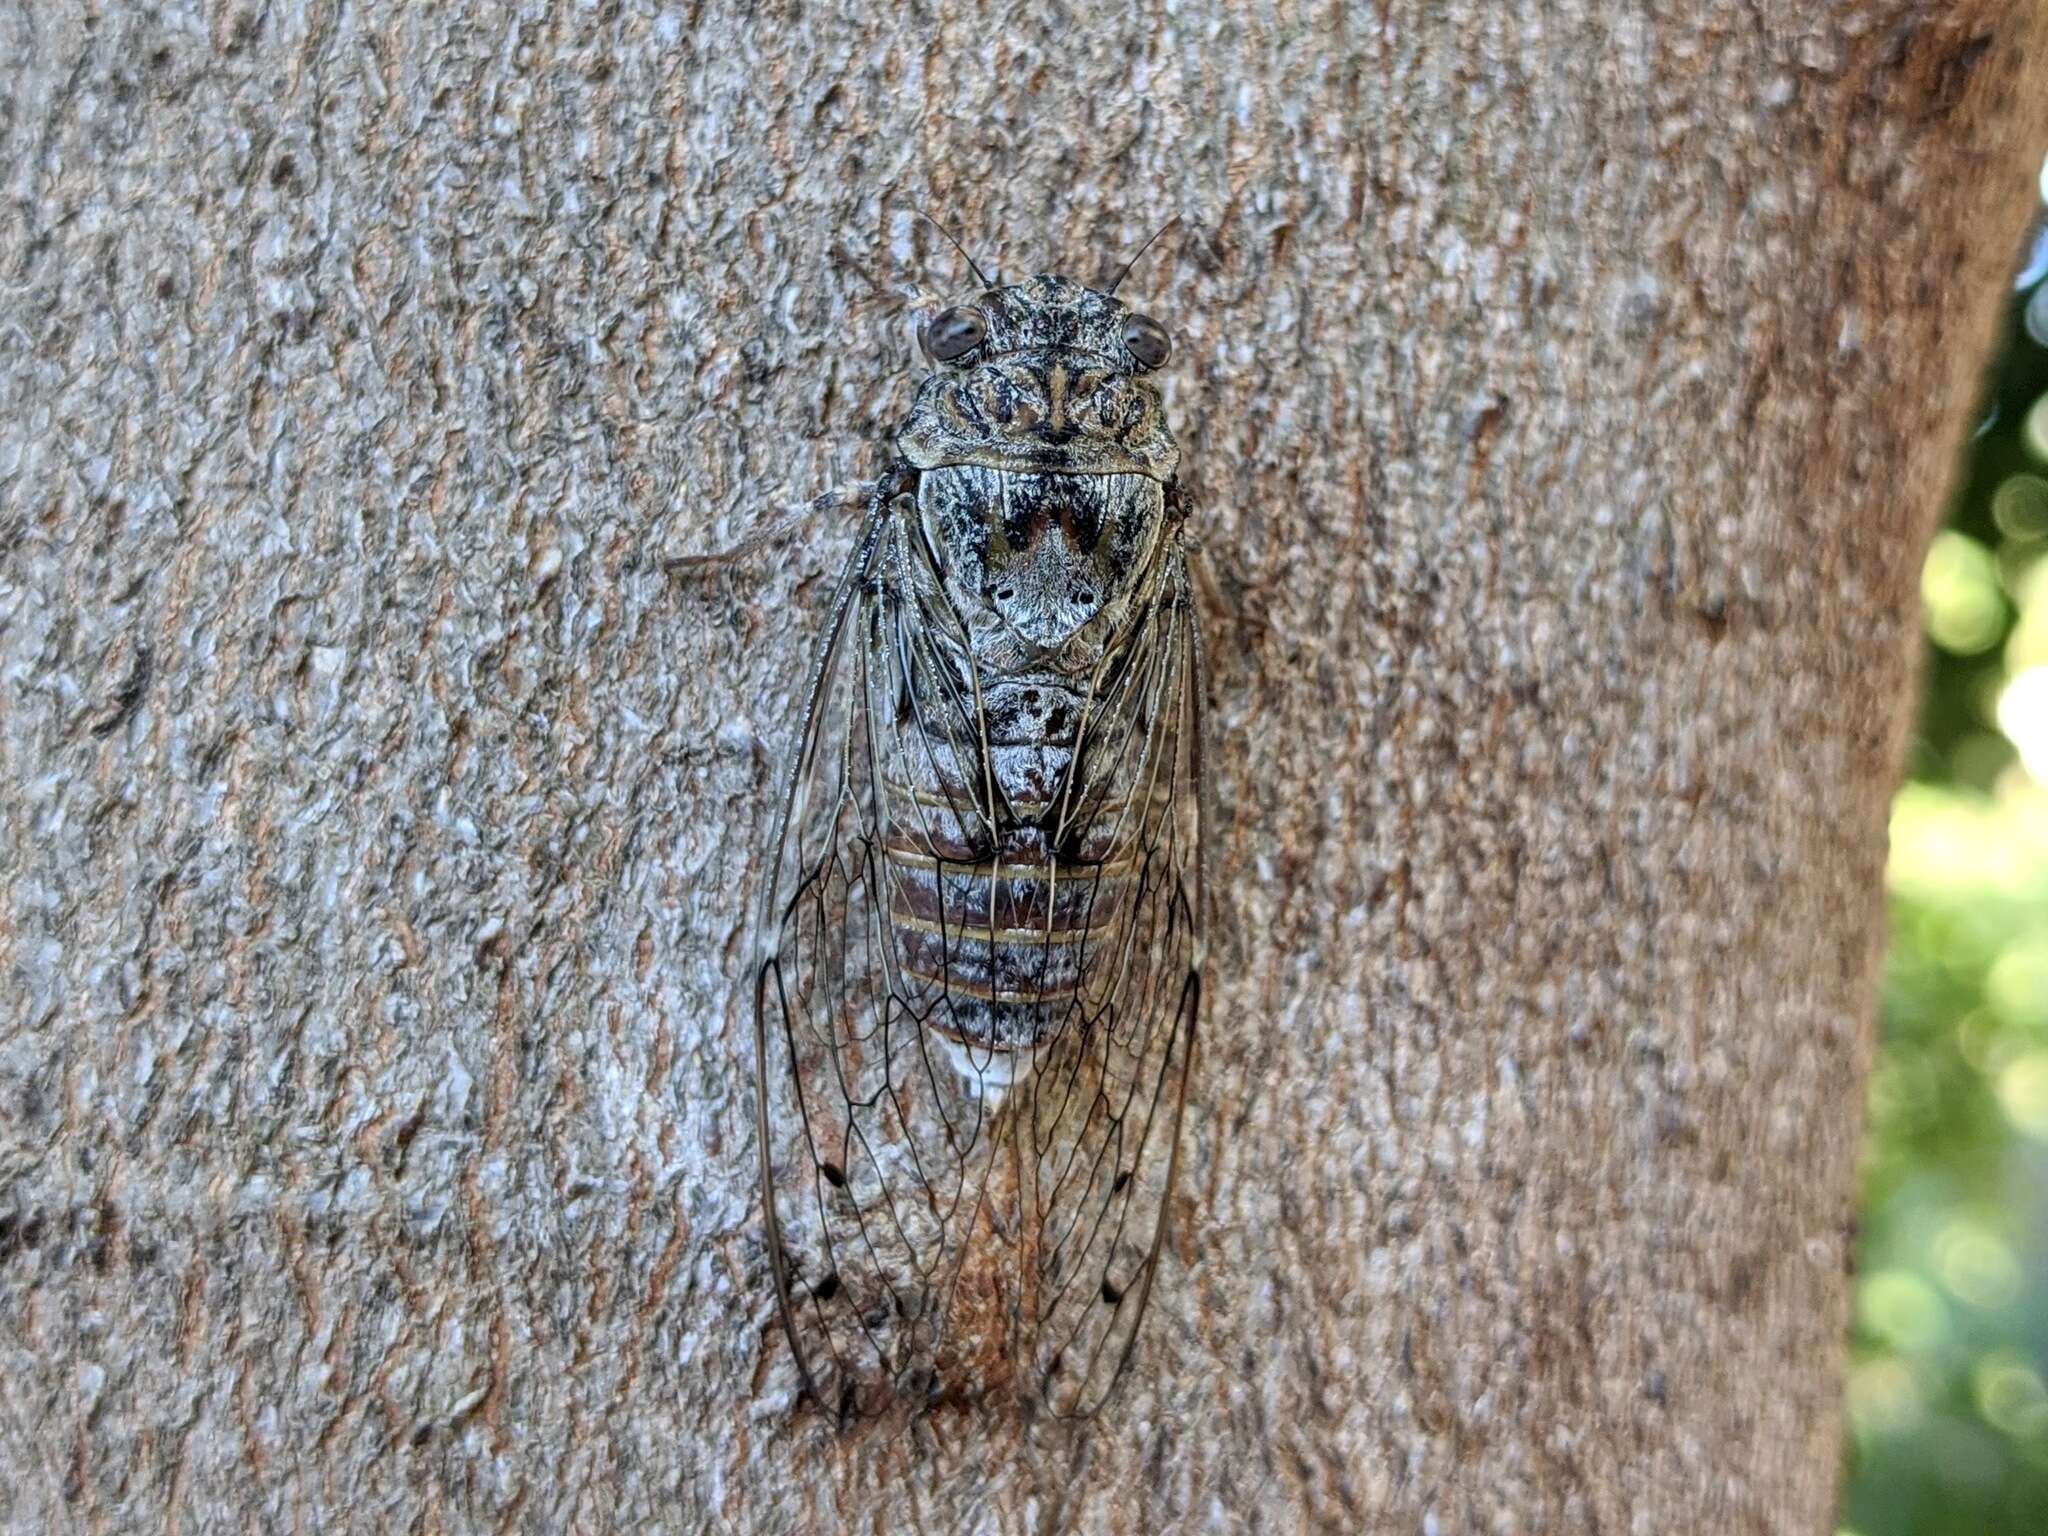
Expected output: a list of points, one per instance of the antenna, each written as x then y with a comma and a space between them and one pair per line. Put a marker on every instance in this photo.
1126, 272
980, 276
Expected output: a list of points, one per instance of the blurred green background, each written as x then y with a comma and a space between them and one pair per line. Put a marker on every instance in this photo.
1948, 1368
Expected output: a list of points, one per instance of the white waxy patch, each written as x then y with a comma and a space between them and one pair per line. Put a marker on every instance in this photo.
991, 1074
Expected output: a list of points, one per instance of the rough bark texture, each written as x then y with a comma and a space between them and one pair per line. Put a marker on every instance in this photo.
1568, 400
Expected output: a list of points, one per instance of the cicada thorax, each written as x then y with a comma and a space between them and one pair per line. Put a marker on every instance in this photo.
1012, 840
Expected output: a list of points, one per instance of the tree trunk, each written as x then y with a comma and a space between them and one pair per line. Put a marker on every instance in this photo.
1566, 401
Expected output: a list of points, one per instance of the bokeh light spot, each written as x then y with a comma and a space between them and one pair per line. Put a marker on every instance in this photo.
2020, 504
2023, 1093
1984, 1041
2036, 265
1958, 849
2023, 716
1959, 585
2035, 318
1976, 1266
2017, 986
2027, 645
2010, 1394
1902, 1309
2034, 430
1884, 1399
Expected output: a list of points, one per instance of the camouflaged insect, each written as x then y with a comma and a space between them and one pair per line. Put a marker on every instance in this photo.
981, 944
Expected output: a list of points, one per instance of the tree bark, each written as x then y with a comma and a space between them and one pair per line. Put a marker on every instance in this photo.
1567, 399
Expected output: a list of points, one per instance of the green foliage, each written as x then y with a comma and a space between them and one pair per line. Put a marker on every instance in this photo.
1947, 1393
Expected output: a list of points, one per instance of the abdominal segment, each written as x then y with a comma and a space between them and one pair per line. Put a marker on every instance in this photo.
1008, 882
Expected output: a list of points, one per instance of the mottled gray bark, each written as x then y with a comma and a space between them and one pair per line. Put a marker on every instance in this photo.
1567, 399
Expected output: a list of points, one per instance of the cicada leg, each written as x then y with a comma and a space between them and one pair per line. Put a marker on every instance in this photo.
771, 530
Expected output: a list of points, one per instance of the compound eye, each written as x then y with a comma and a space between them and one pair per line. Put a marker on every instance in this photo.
1147, 341
953, 334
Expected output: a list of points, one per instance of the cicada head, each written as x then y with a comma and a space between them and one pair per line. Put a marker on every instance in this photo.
1047, 375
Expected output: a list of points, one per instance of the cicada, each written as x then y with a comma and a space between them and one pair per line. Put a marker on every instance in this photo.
980, 953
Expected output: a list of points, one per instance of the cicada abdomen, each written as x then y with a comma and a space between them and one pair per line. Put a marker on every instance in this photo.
981, 951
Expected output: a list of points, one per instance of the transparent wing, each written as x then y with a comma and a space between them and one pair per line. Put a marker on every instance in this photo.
1103, 1128
943, 1214
876, 1151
